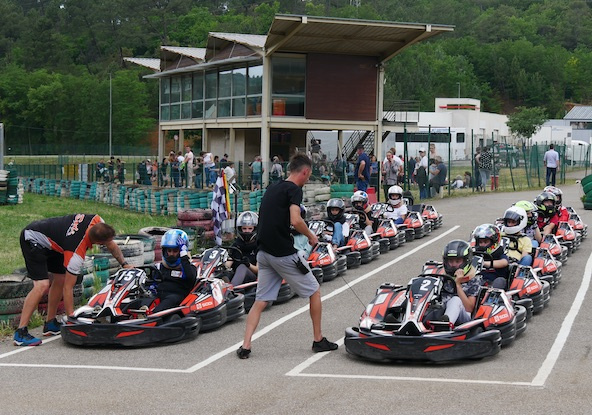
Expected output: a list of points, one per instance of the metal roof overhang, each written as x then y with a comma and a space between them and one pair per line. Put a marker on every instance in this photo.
205, 66
306, 34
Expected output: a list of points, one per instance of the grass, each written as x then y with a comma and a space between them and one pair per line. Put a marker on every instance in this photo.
13, 218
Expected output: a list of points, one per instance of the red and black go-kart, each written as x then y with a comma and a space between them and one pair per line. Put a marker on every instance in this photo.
386, 227
384, 243
359, 240
576, 222
414, 225
394, 326
324, 258
119, 315
548, 266
551, 243
567, 236
323, 229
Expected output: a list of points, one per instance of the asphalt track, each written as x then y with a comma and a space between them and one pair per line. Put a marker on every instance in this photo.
547, 370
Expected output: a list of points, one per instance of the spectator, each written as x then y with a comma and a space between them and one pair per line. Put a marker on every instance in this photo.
230, 174
100, 170
277, 172
198, 172
58, 245
120, 171
551, 162
182, 170
174, 163
256, 173
362, 169
484, 161
224, 158
457, 183
164, 176
411, 169
189, 160
110, 170
390, 171
315, 150
468, 179
421, 169
154, 177
440, 177
209, 164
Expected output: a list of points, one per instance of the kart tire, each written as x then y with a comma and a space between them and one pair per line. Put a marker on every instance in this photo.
318, 274
235, 306
341, 264
156, 231
528, 306
132, 248
366, 256
15, 285
385, 245
546, 293
285, 293
521, 317
394, 242
195, 215
354, 259
409, 235
149, 242
329, 272
375, 249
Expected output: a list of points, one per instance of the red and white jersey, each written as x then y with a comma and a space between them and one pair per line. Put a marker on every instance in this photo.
67, 235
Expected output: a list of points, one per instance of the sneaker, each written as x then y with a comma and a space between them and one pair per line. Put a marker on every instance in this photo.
323, 346
243, 353
51, 328
23, 338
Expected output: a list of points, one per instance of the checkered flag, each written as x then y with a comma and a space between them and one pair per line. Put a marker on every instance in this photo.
219, 208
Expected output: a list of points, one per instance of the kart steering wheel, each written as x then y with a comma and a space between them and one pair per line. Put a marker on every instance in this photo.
448, 284
361, 217
235, 253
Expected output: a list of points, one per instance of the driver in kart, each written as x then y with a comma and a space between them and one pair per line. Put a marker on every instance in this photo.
336, 214
359, 201
547, 220
175, 276
245, 268
397, 210
488, 243
457, 260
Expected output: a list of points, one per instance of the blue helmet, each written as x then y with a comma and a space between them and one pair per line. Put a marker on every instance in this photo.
173, 238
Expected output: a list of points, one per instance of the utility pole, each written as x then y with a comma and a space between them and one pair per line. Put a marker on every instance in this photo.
1, 146
110, 115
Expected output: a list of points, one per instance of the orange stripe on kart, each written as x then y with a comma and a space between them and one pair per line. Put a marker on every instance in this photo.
129, 333
439, 347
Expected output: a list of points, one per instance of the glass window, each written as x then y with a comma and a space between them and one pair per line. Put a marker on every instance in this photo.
460, 137
175, 90
198, 86
211, 84
288, 75
225, 84
239, 82
238, 107
255, 80
210, 108
186, 110
197, 109
224, 108
186, 92
175, 111
165, 112
165, 88
254, 105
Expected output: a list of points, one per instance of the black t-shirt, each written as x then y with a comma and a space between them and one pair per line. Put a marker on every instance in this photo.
273, 231
248, 249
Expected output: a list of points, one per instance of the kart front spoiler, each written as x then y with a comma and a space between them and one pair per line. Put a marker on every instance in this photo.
443, 347
143, 333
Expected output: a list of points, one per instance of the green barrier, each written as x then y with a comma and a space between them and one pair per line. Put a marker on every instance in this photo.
587, 187
586, 180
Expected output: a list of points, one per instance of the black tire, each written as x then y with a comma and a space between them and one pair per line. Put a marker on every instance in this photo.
15, 285
131, 249
195, 214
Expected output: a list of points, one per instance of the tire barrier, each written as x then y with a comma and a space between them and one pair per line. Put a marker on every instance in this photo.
11, 189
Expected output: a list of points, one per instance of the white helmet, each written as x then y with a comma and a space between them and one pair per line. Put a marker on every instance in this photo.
395, 190
517, 214
359, 199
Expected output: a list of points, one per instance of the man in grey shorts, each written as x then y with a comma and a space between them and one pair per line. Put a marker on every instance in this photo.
278, 259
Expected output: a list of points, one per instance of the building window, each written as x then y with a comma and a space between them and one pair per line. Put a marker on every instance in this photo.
211, 92
288, 86
197, 93
165, 99
460, 137
254, 89
175, 98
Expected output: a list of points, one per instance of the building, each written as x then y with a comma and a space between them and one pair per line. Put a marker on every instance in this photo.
248, 95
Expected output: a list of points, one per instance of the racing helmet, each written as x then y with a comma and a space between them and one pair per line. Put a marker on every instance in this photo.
335, 203
247, 218
519, 215
558, 194
492, 234
173, 238
530, 209
545, 210
359, 200
457, 248
392, 198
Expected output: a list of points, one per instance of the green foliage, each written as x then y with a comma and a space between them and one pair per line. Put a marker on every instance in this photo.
526, 121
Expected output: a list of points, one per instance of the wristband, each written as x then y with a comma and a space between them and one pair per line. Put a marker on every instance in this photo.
124, 263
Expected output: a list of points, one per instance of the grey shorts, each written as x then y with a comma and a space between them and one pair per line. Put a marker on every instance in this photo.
272, 270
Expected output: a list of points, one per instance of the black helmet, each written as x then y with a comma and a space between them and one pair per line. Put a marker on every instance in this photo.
544, 210
457, 249
558, 194
335, 203
492, 234
247, 218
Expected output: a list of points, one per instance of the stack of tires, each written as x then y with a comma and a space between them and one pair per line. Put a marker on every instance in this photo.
13, 291
3, 186
316, 193
198, 219
342, 191
587, 188
148, 242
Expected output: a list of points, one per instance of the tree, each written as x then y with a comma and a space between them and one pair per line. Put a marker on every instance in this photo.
525, 122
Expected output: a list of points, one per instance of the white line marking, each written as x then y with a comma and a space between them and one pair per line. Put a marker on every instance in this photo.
25, 348
547, 366
233, 348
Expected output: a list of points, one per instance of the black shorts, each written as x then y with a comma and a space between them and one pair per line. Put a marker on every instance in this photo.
39, 261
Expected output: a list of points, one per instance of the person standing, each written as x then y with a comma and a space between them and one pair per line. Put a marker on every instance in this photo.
256, 173
189, 158
439, 178
121, 171
58, 245
421, 172
551, 162
390, 172
278, 259
208, 159
485, 162
362, 169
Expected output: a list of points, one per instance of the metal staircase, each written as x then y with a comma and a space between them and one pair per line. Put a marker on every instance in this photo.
366, 138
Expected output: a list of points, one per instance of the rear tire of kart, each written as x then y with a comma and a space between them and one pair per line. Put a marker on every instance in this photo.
15, 285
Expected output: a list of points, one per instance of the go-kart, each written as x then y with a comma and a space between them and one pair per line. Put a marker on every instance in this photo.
548, 266
120, 315
359, 240
524, 284
323, 229
429, 213
394, 325
568, 237
330, 263
551, 243
386, 227
357, 223
216, 259
414, 226
576, 222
